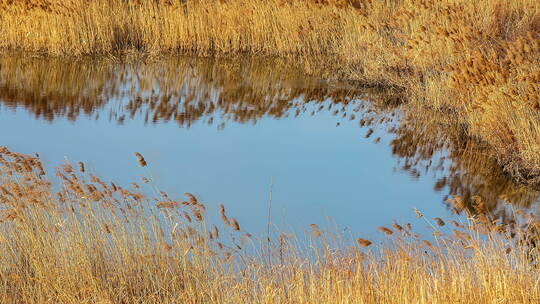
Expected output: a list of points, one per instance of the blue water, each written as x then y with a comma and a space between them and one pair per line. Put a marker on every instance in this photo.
315, 170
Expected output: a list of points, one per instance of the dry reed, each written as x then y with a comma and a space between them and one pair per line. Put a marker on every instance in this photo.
73, 246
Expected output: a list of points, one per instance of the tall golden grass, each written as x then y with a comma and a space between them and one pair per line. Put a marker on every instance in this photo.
84, 240
77, 27
476, 61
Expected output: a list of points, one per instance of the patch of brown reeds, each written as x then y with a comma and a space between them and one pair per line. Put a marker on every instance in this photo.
90, 241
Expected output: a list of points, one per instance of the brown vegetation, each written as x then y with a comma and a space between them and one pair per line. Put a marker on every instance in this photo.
467, 70
91, 241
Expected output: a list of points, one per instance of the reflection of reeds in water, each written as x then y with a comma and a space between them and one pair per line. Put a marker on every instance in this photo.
430, 143
49, 91
95, 242
184, 90
174, 89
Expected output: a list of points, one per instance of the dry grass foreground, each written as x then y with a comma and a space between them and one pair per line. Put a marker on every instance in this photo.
474, 60
83, 240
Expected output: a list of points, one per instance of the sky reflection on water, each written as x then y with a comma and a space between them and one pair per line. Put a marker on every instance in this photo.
321, 167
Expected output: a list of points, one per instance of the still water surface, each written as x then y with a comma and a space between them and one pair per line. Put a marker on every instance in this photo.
239, 131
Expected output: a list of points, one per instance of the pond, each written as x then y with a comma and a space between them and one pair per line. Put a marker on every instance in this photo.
252, 134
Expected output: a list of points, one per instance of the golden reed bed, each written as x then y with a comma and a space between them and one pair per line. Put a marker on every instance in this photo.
476, 62
86, 240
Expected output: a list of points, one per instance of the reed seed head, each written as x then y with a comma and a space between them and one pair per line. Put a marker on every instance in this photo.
385, 230
140, 159
439, 221
363, 242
